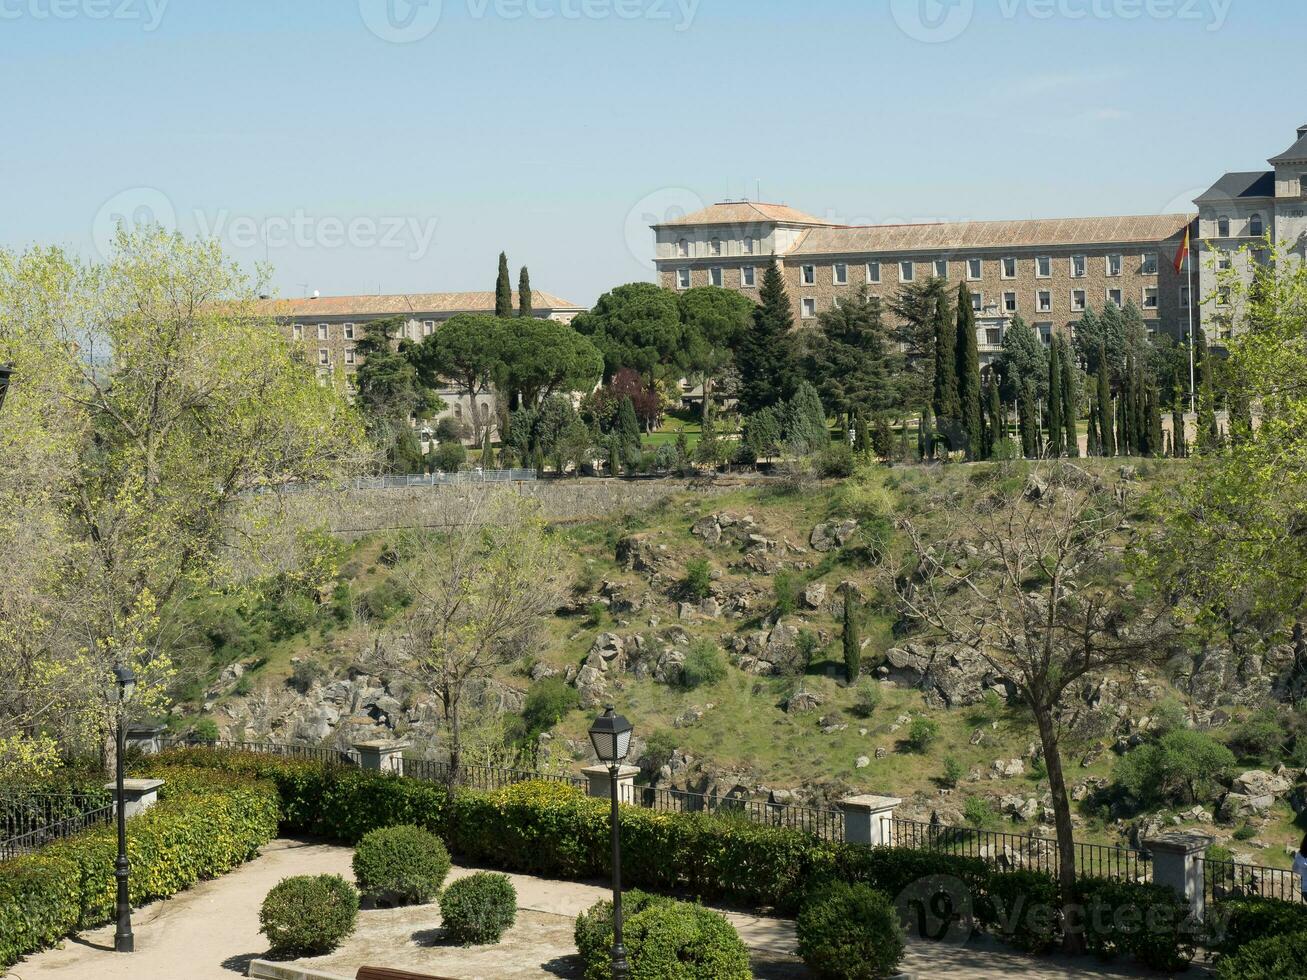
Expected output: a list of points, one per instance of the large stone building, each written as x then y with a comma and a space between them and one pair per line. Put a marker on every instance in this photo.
1238, 215
330, 326
1046, 271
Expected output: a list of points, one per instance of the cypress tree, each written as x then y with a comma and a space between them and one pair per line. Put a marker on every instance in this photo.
1106, 440
861, 435
1055, 428
852, 646
1093, 445
904, 452
967, 356
1123, 447
503, 290
1178, 448
764, 358
1028, 422
994, 430
1155, 424
524, 293
926, 435
1209, 435
946, 404
1070, 406
628, 430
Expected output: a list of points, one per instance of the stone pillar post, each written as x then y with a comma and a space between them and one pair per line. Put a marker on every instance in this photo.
599, 782
138, 794
1177, 863
382, 755
868, 819
145, 738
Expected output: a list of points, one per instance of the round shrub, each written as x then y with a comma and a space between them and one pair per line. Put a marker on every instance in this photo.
594, 927
670, 939
308, 915
1272, 958
402, 865
1239, 921
479, 909
850, 931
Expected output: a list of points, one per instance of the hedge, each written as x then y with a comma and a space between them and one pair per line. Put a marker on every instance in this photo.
1273, 958
202, 827
1236, 922
554, 830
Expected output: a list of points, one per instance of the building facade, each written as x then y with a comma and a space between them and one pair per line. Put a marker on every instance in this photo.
1238, 217
1046, 271
330, 326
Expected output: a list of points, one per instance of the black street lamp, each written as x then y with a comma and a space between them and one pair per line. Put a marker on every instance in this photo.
124, 685
611, 736
6, 373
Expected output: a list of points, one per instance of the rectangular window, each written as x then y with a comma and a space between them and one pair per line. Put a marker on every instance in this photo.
1044, 301
1150, 297
748, 277
1184, 297
349, 355
1077, 267
428, 327
1045, 332
1009, 268
977, 302
841, 274
324, 356
941, 268
1114, 265
809, 308
1223, 296
1009, 302
873, 272
1148, 264
975, 268
1044, 267
907, 271
810, 275
1224, 261
682, 278
1114, 297
322, 331
297, 331
715, 247
1077, 301
715, 276
349, 331
993, 337
748, 246
1302, 184
683, 248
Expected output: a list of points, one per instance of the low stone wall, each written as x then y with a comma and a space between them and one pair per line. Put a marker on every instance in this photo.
351, 513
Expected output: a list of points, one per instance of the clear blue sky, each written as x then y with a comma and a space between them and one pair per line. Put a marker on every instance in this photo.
549, 128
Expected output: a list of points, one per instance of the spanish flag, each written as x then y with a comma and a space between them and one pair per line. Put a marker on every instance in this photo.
1182, 256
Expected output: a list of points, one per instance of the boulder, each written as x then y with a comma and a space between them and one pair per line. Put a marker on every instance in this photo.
862, 762
802, 701
950, 675
1241, 806
591, 687
832, 534
1255, 783
1008, 768
709, 528
814, 595
782, 648
1036, 488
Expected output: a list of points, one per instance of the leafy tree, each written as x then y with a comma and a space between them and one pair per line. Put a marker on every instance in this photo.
635, 326
915, 306
542, 357
1209, 436
765, 356
1027, 416
467, 352
1183, 768
524, 297
850, 358
389, 392
806, 428
1023, 358
715, 321
968, 372
503, 290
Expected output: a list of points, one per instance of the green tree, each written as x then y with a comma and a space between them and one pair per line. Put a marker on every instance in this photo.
1070, 401
524, 295
994, 410
466, 352
1023, 356
765, 358
850, 358
628, 431
1107, 439
1028, 421
1183, 768
503, 290
636, 326
967, 356
389, 392
539, 358
849, 637
715, 321
946, 403
915, 306
1056, 429
806, 430
763, 433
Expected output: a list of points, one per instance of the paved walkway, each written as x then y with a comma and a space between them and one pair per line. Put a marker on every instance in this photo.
212, 933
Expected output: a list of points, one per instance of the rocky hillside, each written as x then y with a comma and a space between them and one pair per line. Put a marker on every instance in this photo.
714, 622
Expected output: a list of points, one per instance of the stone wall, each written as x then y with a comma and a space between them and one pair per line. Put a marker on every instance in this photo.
350, 513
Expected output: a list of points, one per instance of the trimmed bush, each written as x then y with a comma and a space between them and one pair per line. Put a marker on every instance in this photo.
1144, 920
593, 932
1272, 958
309, 915
850, 932
1024, 908
704, 664
1236, 922
402, 865
663, 938
479, 909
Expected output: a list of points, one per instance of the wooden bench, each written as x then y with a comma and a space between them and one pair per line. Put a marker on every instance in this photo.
381, 973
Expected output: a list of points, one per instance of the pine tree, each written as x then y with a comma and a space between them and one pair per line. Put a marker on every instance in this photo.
852, 646
1029, 422
524, 298
682, 450
806, 428
967, 357
1070, 406
503, 290
1055, 427
946, 404
765, 355
1106, 439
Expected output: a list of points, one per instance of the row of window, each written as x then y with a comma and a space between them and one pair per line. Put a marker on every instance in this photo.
1043, 301
349, 330
715, 247
324, 356
1256, 226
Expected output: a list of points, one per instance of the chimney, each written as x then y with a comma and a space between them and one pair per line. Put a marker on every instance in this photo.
1302, 131
316, 294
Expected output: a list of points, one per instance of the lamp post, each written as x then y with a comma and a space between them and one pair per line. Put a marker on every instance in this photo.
611, 737
124, 685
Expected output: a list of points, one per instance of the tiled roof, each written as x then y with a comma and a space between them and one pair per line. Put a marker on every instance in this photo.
1231, 187
952, 236
407, 304
744, 213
